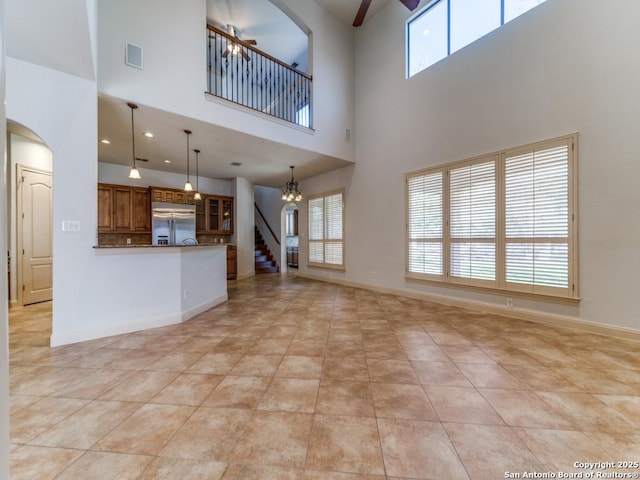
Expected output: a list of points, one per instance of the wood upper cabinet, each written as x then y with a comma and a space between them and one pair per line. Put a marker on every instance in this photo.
171, 195
123, 209
214, 215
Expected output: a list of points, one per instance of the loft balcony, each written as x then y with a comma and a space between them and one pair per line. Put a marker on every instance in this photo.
242, 74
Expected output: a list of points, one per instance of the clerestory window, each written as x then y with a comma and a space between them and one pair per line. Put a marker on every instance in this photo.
446, 26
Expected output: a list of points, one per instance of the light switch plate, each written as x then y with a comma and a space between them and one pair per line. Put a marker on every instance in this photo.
71, 225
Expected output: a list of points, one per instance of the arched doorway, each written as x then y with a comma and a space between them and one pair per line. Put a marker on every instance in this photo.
290, 234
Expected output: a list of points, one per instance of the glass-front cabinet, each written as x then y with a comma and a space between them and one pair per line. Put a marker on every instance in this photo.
214, 215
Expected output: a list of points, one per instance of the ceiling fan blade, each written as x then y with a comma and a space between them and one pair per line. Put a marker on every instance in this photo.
244, 55
225, 53
250, 42
362, 11
410, 4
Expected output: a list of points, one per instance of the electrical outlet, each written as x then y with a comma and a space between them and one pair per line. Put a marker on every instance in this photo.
510, 302
128, 241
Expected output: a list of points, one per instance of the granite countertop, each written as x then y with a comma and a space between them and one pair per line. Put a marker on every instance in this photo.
165, 246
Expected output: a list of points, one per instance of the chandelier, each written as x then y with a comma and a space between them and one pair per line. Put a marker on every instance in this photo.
291, 192
187, 185
134, 172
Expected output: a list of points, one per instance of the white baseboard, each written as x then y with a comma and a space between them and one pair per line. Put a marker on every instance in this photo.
518, 313
198, 309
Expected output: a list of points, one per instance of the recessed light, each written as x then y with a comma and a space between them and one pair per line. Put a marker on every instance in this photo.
105, 141
167, 161
148, 134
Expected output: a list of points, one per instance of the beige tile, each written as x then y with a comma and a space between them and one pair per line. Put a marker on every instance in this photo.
257, 365
236, 471
462, 405
315, 475
402, 401
175, 361
488, 451
238, 392
274, 438
83, 428
418, 450
440, 373
161, 468
391, 371
489, 376
298, 366
542, 379
467, 354
525, 409
105, 466
345, 398
147, 430
93, 385
31, 462
345, 444
304, 346
290, 395
216, 363
37, 418
188, 389
588, 412
140, 386
209, 434
349, 369
626, 405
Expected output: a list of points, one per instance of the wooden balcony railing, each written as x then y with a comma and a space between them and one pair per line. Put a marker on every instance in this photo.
242, 74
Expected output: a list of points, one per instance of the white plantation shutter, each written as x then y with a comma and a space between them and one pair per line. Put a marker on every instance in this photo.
503, 221
326, 230
425, 223
472, 217
537, 218
333, 229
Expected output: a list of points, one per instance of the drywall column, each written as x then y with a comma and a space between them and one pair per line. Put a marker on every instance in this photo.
244, 231
4, 315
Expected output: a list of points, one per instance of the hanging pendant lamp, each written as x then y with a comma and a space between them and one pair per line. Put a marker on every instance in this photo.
187, 185
133, 172
197, 196
291, 192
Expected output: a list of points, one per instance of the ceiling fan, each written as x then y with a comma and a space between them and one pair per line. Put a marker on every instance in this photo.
236, 47
364, 6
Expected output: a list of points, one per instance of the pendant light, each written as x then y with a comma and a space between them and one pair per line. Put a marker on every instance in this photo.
197, 196
187, 185
134, 172
291, 191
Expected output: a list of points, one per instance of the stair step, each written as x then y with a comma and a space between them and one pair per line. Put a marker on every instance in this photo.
265, 264
267, 270
263, 258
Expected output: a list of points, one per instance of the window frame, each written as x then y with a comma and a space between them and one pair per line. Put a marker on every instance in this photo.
325, 241
571, 292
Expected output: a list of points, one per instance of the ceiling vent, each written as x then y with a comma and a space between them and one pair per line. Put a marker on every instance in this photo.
133, 56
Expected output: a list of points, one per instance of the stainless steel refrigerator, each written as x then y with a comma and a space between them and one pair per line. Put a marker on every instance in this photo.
173, 223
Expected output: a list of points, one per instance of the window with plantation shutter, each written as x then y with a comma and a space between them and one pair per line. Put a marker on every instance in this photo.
504, 221
425, 222
472, 219
326, 230
537, 222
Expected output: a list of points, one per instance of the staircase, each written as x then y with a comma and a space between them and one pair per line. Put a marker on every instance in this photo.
264, 259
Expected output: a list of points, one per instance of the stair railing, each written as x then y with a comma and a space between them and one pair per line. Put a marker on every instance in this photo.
242, 74
271, 239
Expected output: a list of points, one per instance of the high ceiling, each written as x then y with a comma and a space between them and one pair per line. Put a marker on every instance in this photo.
263, 162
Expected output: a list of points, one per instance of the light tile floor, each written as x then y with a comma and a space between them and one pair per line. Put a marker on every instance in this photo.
295, 379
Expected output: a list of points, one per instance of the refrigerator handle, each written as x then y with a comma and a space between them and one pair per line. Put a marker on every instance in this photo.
172, 231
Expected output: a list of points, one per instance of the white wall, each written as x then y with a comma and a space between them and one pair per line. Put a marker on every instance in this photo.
28, 153
566, 66
180, 88
119, 175
4, 322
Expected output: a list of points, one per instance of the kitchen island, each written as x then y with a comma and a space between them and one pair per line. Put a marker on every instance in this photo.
144, 286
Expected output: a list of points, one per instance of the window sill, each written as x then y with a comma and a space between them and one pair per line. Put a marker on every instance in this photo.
327, 266
497, 291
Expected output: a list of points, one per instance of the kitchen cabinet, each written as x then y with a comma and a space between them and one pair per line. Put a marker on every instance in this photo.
171, 195
123, 209
232, 262
214, 215
292, 257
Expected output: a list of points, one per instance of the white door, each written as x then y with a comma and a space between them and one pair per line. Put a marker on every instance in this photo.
35, 243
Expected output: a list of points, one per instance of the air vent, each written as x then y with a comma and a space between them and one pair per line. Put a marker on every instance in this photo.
236, 164
141, 159
133, 56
